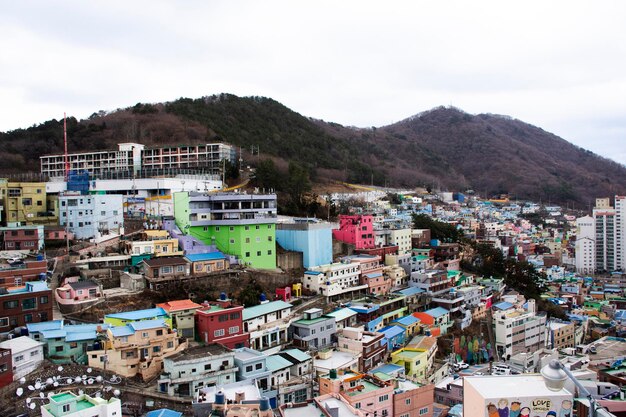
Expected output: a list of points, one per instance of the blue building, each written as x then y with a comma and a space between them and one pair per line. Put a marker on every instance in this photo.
65, 344
395, 337
309, 236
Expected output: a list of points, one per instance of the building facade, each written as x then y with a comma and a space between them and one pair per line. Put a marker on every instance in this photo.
31, 303
311, 237
238, 224
357, 230
222, 322
92, 216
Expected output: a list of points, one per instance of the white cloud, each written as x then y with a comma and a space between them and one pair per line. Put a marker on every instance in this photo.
560, 65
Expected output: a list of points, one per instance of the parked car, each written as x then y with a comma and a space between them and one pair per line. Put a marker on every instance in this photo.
460, 365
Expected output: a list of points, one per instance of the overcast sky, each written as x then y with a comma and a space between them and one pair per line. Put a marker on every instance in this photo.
560, 65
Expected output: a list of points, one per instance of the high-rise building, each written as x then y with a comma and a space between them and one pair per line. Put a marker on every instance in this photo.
585, 245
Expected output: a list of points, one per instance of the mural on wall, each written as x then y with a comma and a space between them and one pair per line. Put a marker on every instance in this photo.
537, 407
472, 350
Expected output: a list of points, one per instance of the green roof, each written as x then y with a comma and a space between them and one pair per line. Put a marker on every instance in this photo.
367, 387
342, 314
276, 362
297, 354
262, 309
307, 322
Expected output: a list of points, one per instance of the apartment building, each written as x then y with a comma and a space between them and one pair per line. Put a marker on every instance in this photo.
336, 280
238, 224
368, 346
310, 236
182, 316
26, 355
22, 238
362, 391
313, 331
357, 230
519, 329
27, 203
135, 157
30, 303
560, 334
92, 216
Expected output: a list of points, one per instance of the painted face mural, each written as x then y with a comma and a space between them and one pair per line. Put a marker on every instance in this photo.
566, 409
515, 409
524, 412
492, 410
503, 408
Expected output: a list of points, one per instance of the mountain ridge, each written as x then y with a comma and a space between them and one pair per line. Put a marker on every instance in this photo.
443, 147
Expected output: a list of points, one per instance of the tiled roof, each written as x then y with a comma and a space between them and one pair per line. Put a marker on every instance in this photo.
178, 305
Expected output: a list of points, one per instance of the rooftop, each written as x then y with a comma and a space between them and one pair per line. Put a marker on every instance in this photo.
277, 362
263, 309
295, 354
525, 385
198, 352
138, 314
80, 285
178, 305
342, 314
20, 344
201, 257
165, 261
437, 312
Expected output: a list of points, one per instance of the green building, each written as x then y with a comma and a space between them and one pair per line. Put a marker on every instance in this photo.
242, 225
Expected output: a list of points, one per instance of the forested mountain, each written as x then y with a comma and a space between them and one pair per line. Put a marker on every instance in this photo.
444, 147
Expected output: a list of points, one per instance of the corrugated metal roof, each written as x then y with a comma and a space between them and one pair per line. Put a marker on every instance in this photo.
276, 362
342, 314
45, 325
211, 256
262, 309
437, 312
147, 324
297, 354
138, 314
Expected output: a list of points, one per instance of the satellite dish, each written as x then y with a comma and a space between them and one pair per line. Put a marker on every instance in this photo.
99, 378
31, 388
90, 381
55, 384
37, 385
60, 368
84, 376
42, 395
116, 393
28, 400
78, 380
32, 406
88, 370
22, 380
49, 381
19, 391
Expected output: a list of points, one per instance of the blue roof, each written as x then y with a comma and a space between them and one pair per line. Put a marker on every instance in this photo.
411, 291
364, 309
138, 314
120, 331
407, 320
262, 309
312, 272
53, 334
388, 368
503, 305
147, 324
374, 275
211, 256
164, 412
44, 325
437, 312
391, 331
76, 336
276, 362
81, 328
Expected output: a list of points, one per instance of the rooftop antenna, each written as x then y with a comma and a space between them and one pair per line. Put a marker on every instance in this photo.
67, 163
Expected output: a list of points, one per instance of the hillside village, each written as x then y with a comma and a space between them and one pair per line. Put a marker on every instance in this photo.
135, 281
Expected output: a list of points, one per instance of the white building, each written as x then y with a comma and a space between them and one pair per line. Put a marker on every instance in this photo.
585, 245
334, 279
135, 157
68, 404
519, 330
523, 395
26, 353
620, 233
605, 231
267, 324
95, 216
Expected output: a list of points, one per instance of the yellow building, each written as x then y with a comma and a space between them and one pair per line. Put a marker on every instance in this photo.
137, 348
27, 203
415, 362
561, 334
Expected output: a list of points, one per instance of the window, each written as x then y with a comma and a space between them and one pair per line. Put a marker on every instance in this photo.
43, 299
357, 405
247, 254
257, 227
217, 228
159, 332
383, 398
247, 240
232, 241
258, 253
10, 304
145, 335
103, 213
234, 316
269, 238
4, 322
269, 226
29, 303
246, 227
404, 415
233, 330
258, 239
166, 269
115, 212
66, 408
156, 349
222, 318
180, 268
385, 413
269, 252
207, 367
407, 401
58, 349
170, 345
19, 358
218, 333
231, 228
423, 411
258, 366
27, 201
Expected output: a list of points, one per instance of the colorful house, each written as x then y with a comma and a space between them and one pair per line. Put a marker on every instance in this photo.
137, 348
31, 303
362, 391
410, 324
238, 224
181, 314
68, 404
436, 319
357, 230
205, 263
394, 337
415, 362
222, 322
65, 344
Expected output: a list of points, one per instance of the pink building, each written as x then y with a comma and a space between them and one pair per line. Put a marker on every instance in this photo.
362, 391
371, 273
356, 230
413, 400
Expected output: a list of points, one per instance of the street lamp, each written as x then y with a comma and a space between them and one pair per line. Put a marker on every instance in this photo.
555, 375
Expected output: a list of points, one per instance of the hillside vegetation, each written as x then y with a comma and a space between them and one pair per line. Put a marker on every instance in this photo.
441, 148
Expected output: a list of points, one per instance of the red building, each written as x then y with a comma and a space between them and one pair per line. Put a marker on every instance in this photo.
6, 367
31, 303
356, 230
22, 238
11, 276
222, 322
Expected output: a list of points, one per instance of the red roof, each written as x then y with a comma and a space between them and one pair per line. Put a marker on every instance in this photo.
178, 305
